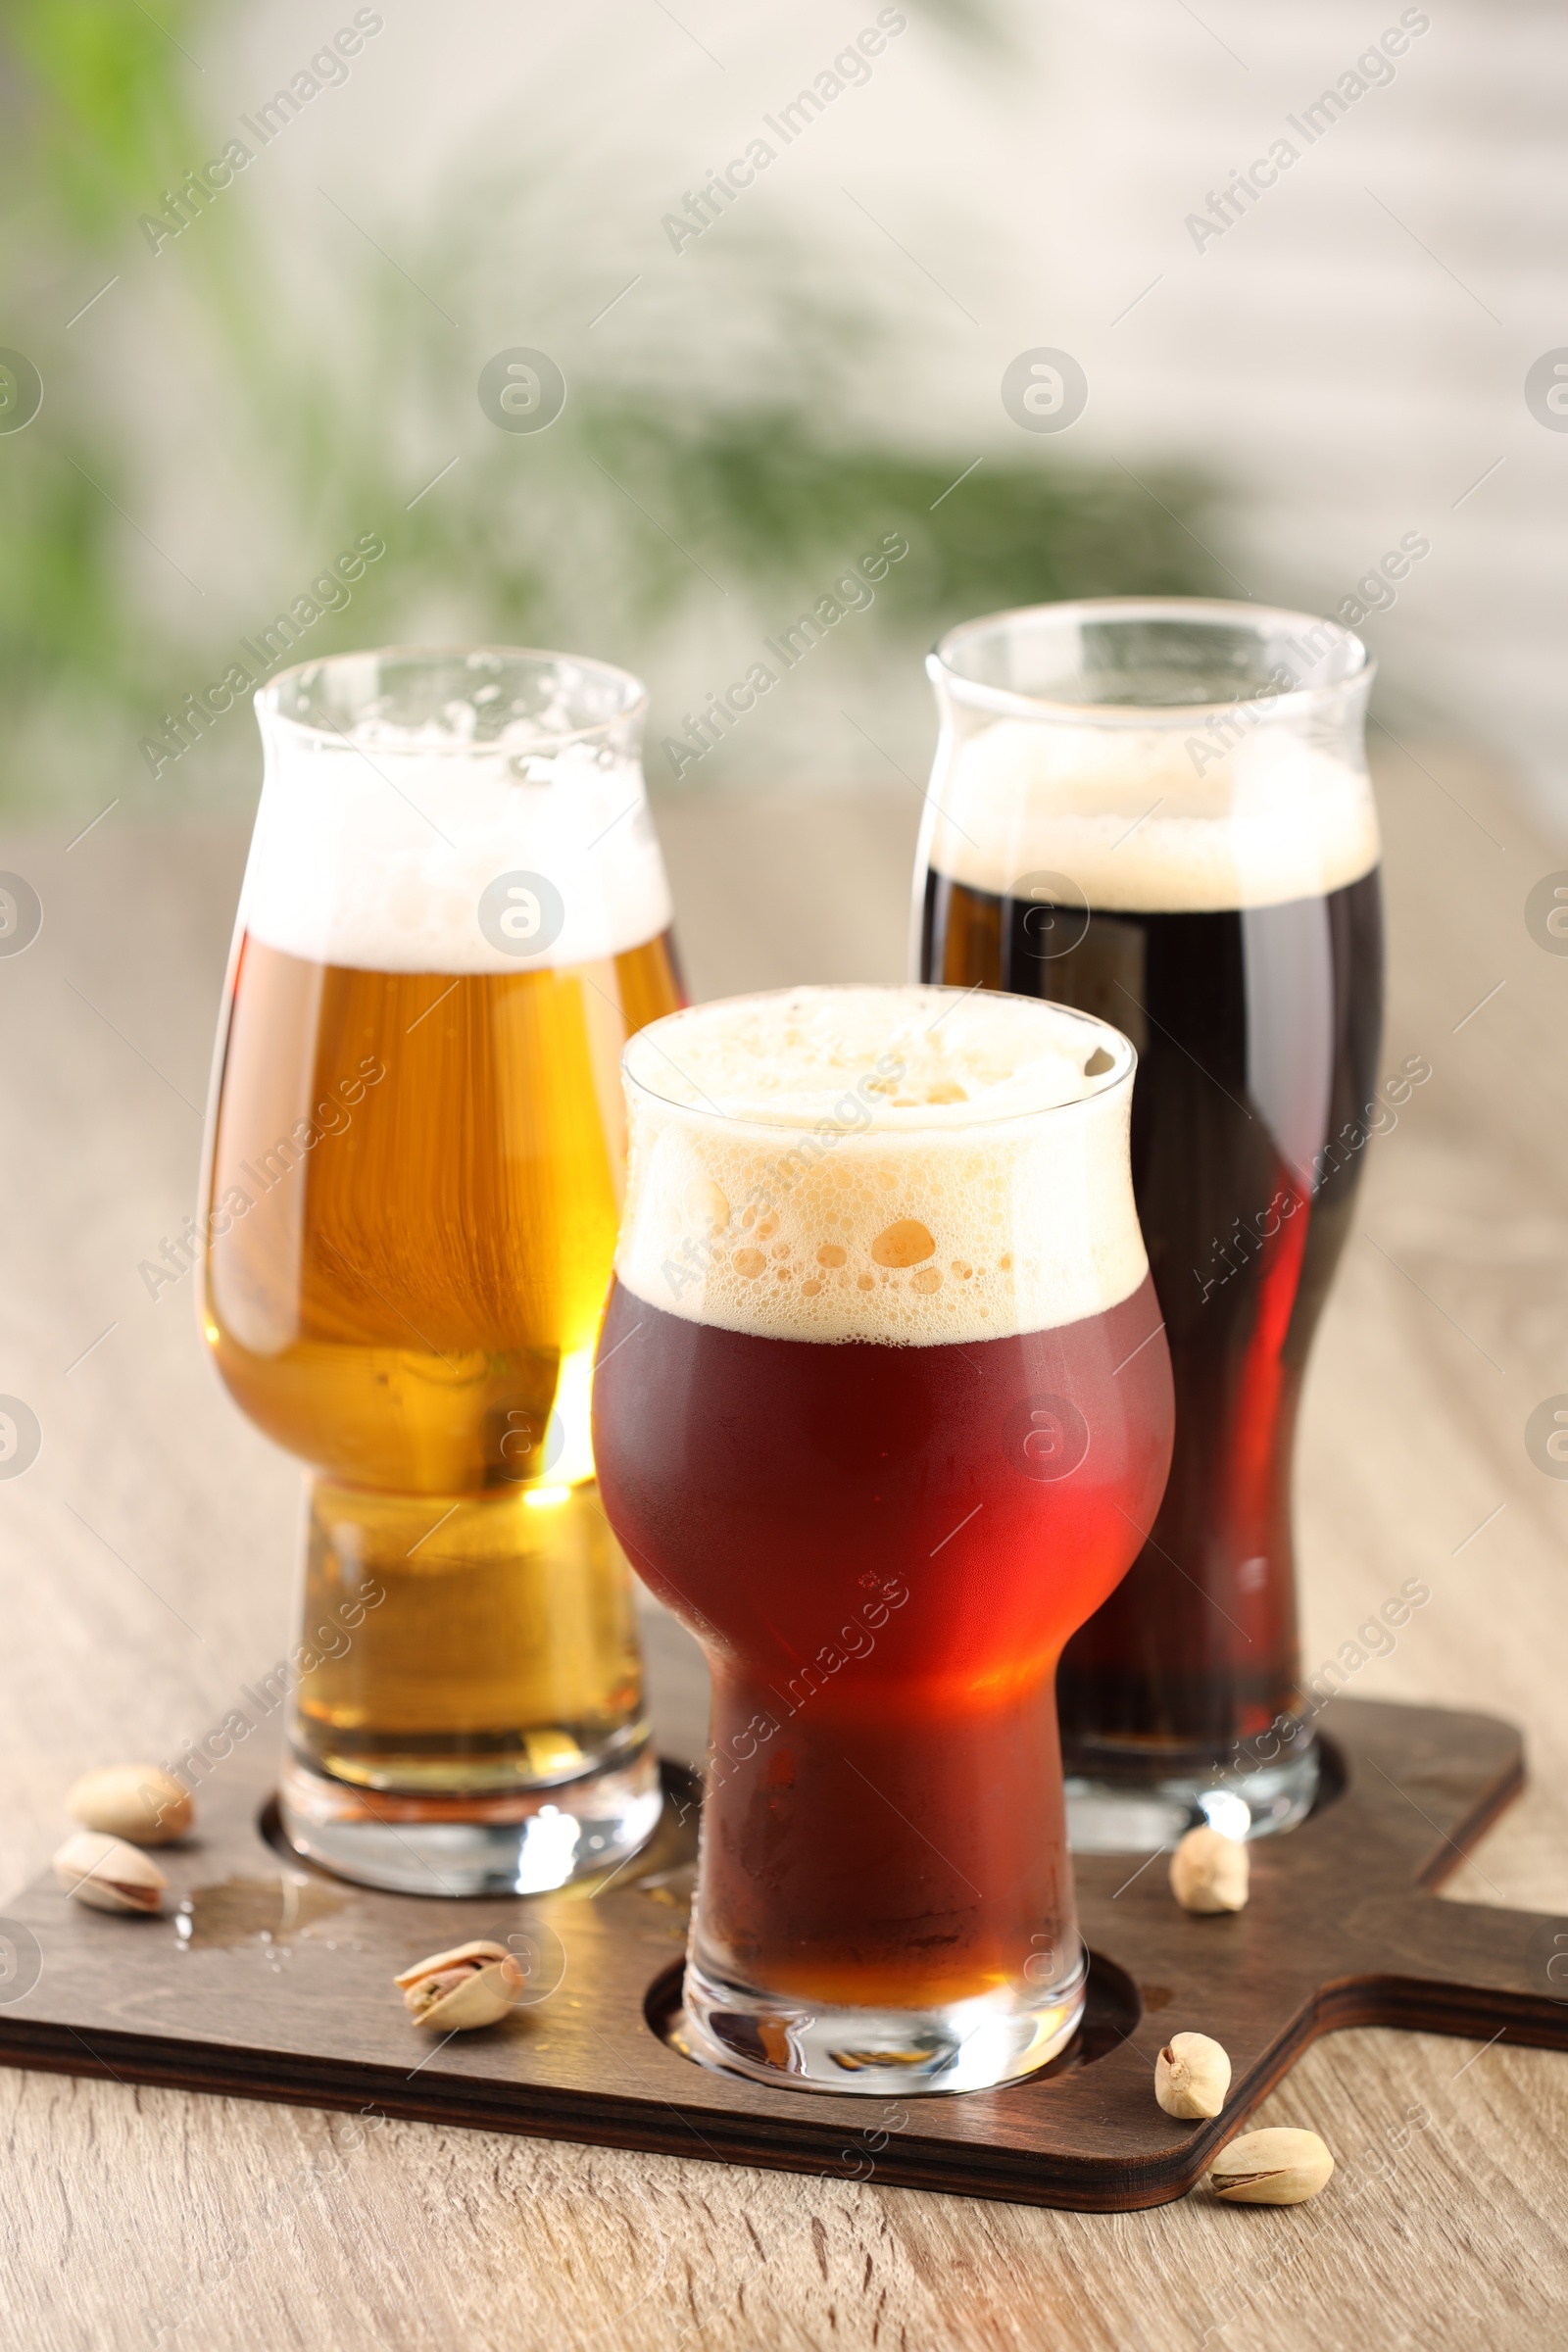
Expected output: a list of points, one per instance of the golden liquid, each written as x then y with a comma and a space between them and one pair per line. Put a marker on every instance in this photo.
411, 1208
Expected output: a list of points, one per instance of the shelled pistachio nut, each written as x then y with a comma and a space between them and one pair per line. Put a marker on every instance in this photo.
472, 1985
1210, 1872
108, 1873
139, 1802
1271, 2168
1191, 2076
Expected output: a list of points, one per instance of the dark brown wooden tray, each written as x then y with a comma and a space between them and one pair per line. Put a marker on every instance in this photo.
275, 1984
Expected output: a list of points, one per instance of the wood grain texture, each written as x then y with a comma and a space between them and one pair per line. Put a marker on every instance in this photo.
268, 1978
147, 1570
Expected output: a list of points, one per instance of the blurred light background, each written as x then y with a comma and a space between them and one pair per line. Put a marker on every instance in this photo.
1281, 383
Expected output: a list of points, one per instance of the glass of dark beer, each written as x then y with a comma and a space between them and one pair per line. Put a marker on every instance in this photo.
881, 1406
1160, 811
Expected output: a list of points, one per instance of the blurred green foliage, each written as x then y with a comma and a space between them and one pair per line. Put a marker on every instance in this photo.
659, 483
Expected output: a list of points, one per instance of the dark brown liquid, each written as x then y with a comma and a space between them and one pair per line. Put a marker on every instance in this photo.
882, 1549
1257, 1034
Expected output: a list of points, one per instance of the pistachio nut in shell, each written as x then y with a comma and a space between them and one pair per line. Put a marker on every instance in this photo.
140, 1802
1271, 2168
472, 1985
1191, 2076
109, 1874
1210, 1872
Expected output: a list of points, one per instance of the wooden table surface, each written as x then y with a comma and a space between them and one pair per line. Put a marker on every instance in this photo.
147, 1564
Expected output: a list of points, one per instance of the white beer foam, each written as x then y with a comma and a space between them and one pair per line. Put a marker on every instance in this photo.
374, 851
1124, 813
914, 1165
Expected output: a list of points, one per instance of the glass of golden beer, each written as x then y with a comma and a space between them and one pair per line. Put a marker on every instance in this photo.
454, 916
882, 1411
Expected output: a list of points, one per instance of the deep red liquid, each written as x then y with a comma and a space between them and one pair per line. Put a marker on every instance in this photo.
862, 1539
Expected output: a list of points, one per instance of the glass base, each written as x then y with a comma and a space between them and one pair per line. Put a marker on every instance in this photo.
977, 2044
1118, 1811
527, 1841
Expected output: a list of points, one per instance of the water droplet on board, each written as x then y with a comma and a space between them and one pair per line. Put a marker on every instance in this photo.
246, 1910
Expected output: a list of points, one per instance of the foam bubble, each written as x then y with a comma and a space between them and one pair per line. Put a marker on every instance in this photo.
374, 849
1155, 819
915, 1165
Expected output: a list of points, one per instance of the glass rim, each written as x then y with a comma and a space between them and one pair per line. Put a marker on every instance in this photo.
1193, 610
634, 705
1109, 1083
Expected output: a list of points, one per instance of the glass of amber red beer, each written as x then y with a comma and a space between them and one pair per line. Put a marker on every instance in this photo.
882, 1410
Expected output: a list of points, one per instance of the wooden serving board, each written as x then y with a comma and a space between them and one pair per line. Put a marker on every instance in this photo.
276, 1983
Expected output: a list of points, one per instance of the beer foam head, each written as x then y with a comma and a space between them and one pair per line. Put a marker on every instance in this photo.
1153, 819
1161, 755
385, 822
908, 1165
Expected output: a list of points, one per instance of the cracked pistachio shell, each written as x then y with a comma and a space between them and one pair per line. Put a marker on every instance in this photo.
1191, 2076
108, 1873
1210, 1872
136, 1802
454, 1991
1271, 2168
